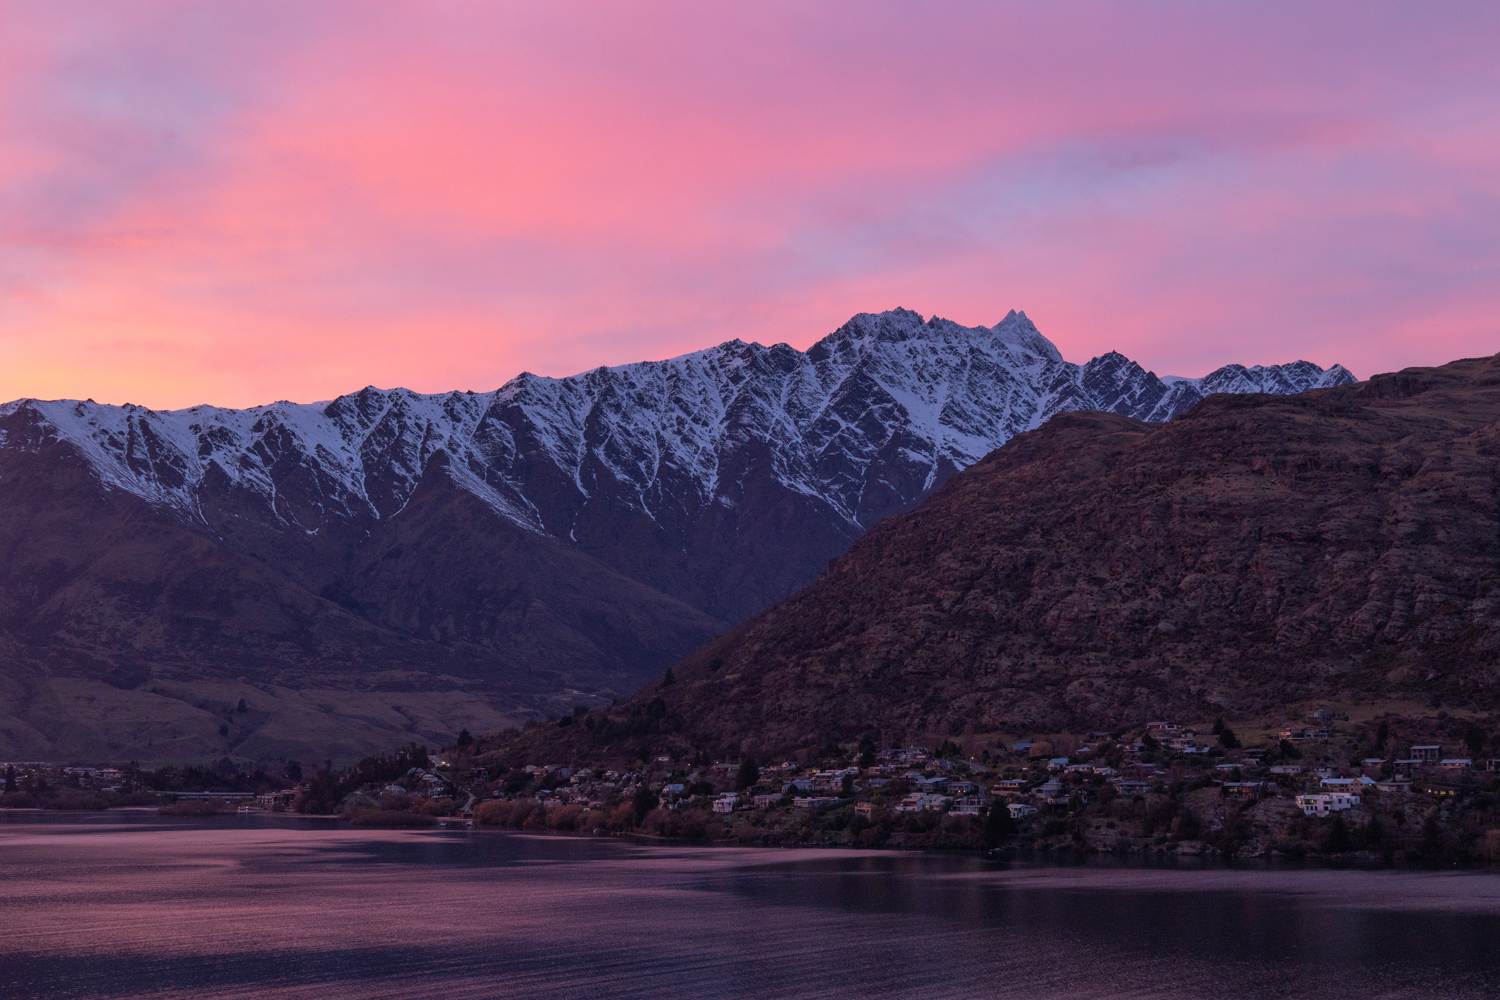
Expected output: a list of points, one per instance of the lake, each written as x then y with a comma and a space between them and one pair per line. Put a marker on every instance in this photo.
133, 905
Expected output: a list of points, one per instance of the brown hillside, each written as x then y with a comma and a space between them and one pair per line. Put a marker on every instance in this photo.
1340, 544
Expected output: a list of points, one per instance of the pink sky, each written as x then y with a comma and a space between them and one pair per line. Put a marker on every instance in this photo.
238, 202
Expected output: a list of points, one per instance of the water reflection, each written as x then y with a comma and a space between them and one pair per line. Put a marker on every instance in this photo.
133, 906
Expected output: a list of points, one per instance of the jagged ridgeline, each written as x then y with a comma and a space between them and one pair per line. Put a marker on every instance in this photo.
1335, 547
392, 564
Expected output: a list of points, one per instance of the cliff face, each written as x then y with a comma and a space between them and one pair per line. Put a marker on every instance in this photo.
1098, 571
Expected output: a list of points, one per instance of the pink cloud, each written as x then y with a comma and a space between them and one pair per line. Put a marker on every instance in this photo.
236, 202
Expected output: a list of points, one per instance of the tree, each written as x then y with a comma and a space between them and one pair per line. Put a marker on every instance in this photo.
1382, 735
749, 774
10, 778
1432, 837
643, 802
1474, 740
999, 827
669, 678
242, 707
294, 771
1337, 840
1227, 739
465, 739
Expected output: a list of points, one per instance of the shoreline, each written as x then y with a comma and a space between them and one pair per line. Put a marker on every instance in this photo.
1063, 859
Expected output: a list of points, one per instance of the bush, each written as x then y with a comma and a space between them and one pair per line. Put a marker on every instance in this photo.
389, 818
564, 818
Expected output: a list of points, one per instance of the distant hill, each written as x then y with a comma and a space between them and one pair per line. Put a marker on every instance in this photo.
392, 565
1342, 544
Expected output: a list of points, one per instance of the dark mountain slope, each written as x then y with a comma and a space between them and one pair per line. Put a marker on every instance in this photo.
130, 634
1344, 543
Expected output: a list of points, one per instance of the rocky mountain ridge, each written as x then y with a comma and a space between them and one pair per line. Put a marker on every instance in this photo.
553, 541
1338, 546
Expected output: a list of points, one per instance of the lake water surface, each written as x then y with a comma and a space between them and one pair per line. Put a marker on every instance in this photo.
137, 906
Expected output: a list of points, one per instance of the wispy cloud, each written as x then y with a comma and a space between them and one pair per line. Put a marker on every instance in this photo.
240, 201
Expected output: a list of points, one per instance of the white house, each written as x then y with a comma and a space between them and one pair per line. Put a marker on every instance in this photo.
1326, 803
923, 802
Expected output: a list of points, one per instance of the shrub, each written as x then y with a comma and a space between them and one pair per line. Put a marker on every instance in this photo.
389, 818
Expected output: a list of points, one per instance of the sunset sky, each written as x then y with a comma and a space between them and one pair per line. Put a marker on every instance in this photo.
239, 202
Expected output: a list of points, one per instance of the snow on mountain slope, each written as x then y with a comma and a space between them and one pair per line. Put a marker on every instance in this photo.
862, 423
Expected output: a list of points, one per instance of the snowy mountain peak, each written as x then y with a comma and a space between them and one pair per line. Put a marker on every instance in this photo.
1018, 329
860, 424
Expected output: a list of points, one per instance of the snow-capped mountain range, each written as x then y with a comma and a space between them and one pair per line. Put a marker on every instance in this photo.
862, 423
391, 565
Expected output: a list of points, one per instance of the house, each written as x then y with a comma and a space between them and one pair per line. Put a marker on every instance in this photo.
904, 755
727, 803
1132, 786
1326, 803
765, 800
1439, 789
1020, 810
833, 780
1053, 792
1245, 790
1009, 787
969, 805
277, 801
815, 802
1456, 763
923, 802
1427, 753
1286, 769
1337, 784
865, 809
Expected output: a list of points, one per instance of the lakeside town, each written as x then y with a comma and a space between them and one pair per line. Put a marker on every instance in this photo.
1320, 787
